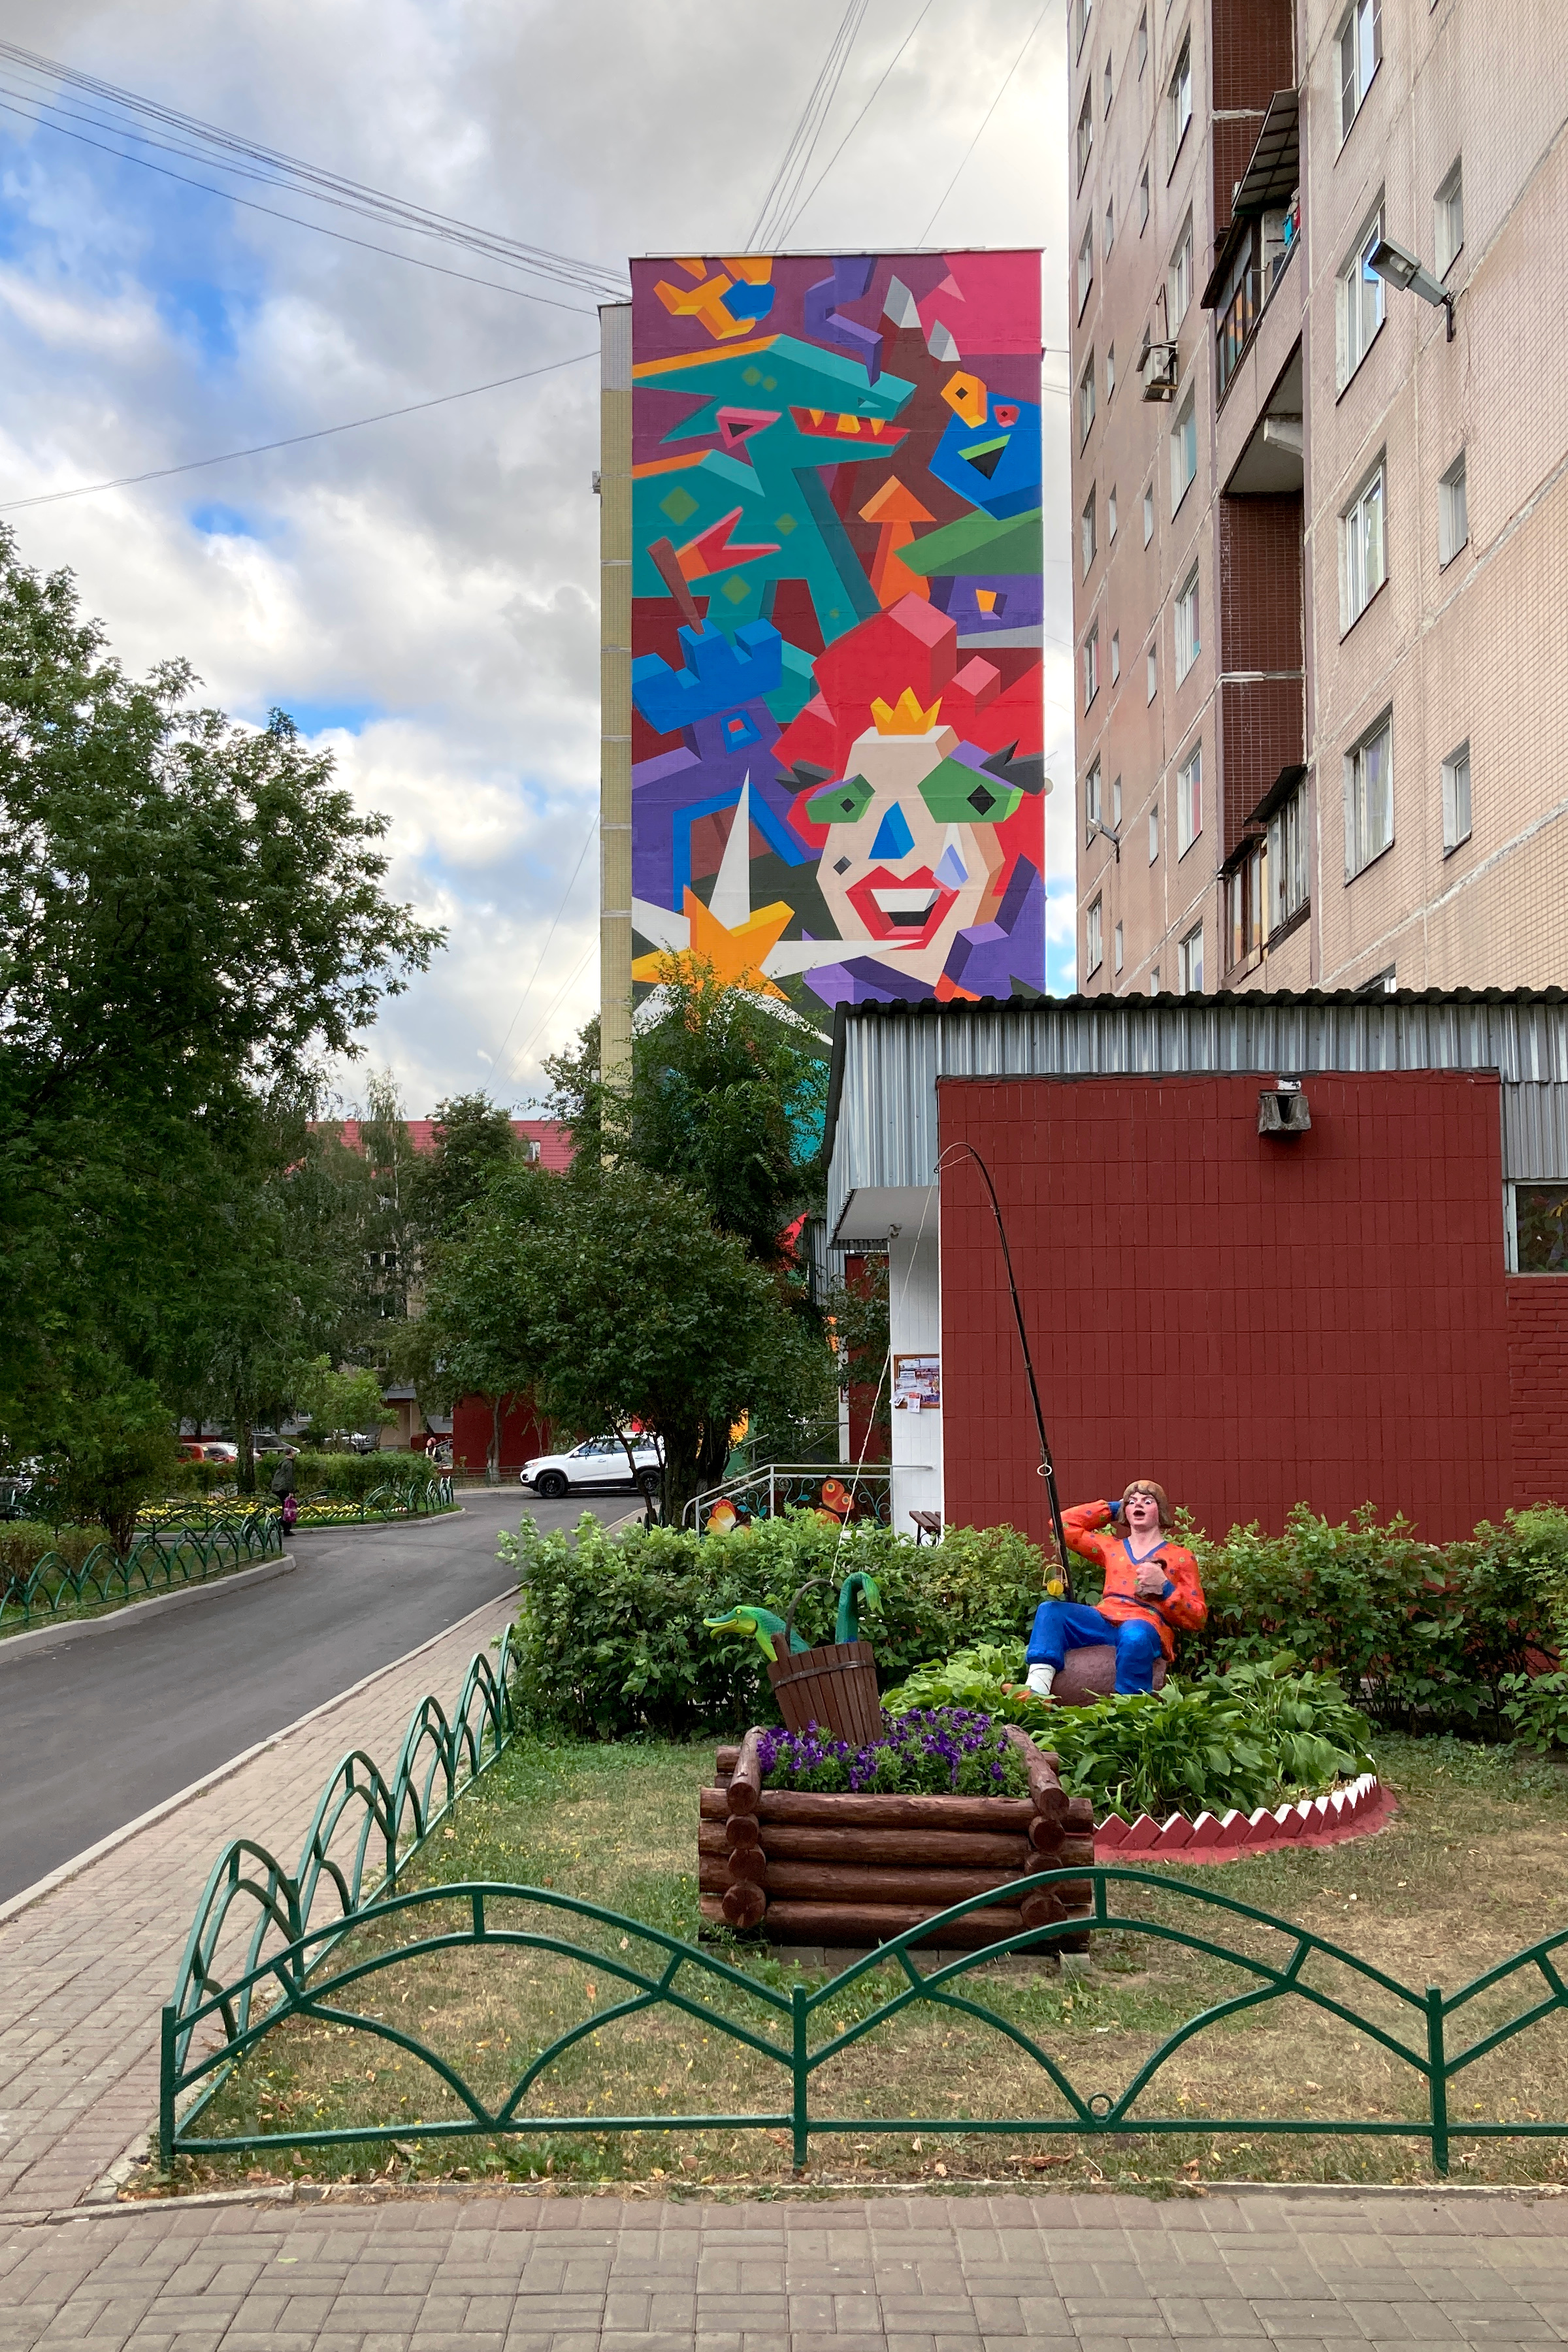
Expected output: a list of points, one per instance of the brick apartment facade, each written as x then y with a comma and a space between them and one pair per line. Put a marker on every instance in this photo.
1320, 575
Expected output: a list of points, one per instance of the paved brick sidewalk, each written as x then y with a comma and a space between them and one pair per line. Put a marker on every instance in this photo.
1004, 2275
85, 1971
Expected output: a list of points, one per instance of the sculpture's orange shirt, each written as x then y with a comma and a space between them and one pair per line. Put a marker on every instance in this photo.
1182, 1604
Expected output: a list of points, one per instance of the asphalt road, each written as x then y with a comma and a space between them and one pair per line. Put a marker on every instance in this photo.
98, 1731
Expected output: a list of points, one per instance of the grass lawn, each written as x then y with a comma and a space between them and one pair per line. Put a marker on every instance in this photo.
1473, 1867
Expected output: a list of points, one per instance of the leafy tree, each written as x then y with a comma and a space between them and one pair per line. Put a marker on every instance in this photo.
474, 1337
112, 1447
340, 1403
473, 1139
613, 1298
727, 1098
191, 916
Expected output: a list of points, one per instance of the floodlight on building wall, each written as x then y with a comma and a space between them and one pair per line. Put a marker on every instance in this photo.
1105, 835
1402, 269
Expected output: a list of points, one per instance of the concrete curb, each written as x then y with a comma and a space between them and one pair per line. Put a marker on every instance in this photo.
89, 1854
136, 1613
378, 1526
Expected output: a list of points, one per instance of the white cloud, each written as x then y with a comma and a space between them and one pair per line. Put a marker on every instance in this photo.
432, 581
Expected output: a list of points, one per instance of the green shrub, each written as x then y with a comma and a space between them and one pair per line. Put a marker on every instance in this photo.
24, 1542
612, 1630
345, 1478
1426, 1634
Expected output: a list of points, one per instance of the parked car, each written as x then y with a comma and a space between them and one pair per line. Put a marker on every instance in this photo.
598, 1462
207, 1449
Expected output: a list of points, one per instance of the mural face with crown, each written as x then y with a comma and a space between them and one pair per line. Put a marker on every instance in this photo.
836, 623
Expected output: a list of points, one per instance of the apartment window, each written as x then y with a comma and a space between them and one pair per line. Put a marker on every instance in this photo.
1116, 806
1183, 450
1111, 512
1107, 85
1109, 240
1150, 674
1111, 371
1116, 948
1364, 565
1189, 800
1456, 798
1083, 11
1085, 267
1091, 666
1361, 299
1541, 1228
1179, 99
1086, 401
1092, 802
1153, 980
1143, 201
1285, 860
1086, 532
1188, 643
1147, 514
1154, 835
1115, 655
1179, 278
1448, 208
1085, 135
1360, 49
1094, 946
1452, 511
1245, 919
1369, 797
1191, 953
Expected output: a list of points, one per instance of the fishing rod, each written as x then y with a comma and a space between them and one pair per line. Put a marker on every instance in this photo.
1047, 1469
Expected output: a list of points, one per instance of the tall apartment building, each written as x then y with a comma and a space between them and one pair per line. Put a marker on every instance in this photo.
1322, 562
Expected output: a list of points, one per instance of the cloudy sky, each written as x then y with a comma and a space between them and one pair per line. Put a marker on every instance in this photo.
421, 593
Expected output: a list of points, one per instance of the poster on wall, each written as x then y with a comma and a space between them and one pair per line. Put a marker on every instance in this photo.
836, 623
917, 1383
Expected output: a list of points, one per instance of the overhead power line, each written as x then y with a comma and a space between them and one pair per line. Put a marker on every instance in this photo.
550, 934
789, 225
290, 440
767, 229
985, 118
104, 106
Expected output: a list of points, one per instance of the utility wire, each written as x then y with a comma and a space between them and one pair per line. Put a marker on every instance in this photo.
290, 440
545, 1018
985, 119
197, 139
367, 245
544, 950
785, 186
860, 118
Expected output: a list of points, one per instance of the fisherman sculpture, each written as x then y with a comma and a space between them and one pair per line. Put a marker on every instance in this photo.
1151, 1589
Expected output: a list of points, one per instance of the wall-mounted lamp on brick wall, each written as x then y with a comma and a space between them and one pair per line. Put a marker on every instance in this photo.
1283, 1109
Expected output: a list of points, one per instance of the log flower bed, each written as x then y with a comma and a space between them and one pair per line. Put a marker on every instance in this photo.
852, 1867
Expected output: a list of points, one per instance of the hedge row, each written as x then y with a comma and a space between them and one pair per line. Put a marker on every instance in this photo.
1425, 1637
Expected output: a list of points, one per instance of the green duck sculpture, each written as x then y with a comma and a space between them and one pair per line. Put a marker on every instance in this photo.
857, 1590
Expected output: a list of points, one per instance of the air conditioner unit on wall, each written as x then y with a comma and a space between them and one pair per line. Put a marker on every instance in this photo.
1160, 371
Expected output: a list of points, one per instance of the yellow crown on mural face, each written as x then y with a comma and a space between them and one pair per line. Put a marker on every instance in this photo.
905, 717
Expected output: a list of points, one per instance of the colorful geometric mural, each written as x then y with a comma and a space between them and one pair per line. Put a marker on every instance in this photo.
837, 609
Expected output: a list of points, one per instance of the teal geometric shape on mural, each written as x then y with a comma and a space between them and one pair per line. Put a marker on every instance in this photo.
956, 794
680, 506
796, 688
843, 804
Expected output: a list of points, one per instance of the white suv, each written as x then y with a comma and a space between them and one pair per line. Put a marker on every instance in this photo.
598, 1462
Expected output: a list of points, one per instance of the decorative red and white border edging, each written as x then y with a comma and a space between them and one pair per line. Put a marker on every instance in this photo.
1354, 1811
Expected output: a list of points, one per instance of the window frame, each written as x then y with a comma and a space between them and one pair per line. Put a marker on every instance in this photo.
1448, 202
1286, 852
1358, 838
1094, 935
1190, 801
1093, 793
1370, 499
1115, 656
1118, 950
1085, 267
1179, 278
1179, 91
1107, 228
1148, 512
1457, 763
1141, 42
1190, 950
1089, 659
1154, 831
1088, 546
1143, 201
1185, 629
1453, 489
1086, 402
1084, 135
1108, 85
1353, 274
1184, 419
1110, 514
1151, 671
1347, 33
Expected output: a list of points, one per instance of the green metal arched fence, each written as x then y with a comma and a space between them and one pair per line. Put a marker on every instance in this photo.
159, 1560
281, 1967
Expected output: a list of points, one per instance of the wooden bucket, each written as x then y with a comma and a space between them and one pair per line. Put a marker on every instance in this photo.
834, 1686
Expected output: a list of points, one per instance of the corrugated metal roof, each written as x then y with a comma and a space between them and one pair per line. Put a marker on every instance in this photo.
887, 1059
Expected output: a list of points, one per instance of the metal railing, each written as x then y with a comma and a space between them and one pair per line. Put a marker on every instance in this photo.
159, 1560
776, 1486
410, 1498
471, 1919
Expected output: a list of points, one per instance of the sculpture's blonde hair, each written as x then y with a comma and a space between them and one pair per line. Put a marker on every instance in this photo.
1151, 1486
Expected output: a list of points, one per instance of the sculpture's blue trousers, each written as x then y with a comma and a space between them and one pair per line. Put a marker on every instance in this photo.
1063, 1625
